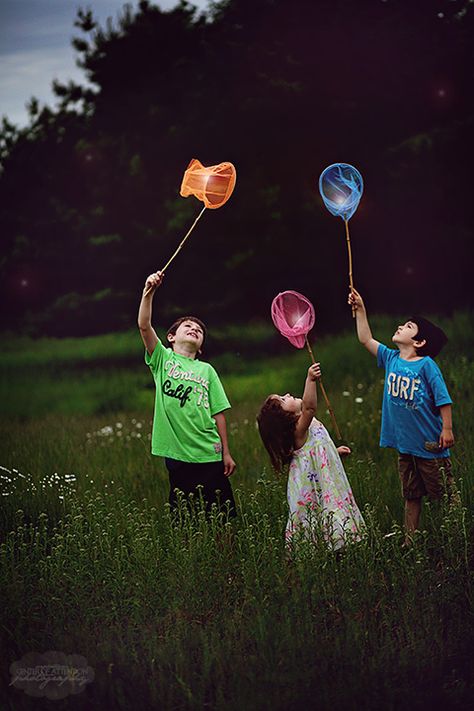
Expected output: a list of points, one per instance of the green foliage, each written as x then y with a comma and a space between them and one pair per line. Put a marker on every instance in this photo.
207, 613
240, 83
104, 239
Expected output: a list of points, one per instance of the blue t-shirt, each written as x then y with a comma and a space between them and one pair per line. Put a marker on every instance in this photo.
413, 394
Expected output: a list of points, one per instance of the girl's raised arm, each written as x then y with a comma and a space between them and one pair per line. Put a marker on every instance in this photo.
308, 407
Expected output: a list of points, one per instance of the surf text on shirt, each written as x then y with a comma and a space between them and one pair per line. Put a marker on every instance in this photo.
402, 386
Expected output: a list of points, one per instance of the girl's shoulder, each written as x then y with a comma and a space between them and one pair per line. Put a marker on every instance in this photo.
319, 432
315, 430
317, 425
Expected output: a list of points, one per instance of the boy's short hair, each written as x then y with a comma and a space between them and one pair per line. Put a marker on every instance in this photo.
174, 326
434, 336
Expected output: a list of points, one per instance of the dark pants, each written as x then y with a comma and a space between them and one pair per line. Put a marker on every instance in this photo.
216, 488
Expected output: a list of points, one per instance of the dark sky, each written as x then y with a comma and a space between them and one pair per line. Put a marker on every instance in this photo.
35, 47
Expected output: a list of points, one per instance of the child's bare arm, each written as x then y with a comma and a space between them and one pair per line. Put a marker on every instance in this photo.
147, 332
309, 404
229, 464
363, 329
446, 438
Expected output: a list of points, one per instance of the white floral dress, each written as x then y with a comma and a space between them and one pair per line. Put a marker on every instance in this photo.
319, 495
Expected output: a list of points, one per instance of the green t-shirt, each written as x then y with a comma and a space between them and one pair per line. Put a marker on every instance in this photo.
188, 394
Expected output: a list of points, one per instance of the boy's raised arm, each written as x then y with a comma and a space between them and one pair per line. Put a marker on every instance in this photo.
363, 329
147, 332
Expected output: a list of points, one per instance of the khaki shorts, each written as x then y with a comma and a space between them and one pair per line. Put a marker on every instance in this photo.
424, 477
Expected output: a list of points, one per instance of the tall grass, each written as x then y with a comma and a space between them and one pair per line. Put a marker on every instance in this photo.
215, 614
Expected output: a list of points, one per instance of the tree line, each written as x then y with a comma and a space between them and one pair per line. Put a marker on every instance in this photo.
89, 189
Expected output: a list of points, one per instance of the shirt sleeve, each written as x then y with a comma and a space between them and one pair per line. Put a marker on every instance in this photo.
383, 354
154, 360
217, 398
438, 386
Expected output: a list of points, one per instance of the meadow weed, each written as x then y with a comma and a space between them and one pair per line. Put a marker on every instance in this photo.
193, 611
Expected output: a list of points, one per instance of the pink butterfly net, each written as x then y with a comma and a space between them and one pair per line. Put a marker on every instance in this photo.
293, 316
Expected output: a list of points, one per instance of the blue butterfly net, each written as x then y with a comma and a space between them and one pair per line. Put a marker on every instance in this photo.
341, 188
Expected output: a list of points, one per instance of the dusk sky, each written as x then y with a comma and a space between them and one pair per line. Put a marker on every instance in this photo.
35, 47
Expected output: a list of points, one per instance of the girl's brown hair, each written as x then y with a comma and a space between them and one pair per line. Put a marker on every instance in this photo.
277, 430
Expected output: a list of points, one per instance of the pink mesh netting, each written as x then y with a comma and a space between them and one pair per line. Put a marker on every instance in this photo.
212, 185
293, 316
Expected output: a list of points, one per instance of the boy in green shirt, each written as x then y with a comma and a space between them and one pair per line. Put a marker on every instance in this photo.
189, 427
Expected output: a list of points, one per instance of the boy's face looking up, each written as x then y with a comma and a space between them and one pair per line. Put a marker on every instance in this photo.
189, 335
405, 335
405, 332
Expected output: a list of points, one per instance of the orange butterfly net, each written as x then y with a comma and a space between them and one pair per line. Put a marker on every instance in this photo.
212, 185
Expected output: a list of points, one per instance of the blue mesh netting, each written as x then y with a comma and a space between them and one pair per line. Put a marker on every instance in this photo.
341, 188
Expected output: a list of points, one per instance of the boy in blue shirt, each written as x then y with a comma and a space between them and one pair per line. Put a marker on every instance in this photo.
416, 408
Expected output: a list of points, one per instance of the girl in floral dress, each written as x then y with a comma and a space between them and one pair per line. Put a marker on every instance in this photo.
319, 495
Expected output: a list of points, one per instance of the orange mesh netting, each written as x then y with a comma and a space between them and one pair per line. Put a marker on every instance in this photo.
212, 185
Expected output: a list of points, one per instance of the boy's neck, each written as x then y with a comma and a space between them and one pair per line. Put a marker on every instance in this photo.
184, 351
408, 353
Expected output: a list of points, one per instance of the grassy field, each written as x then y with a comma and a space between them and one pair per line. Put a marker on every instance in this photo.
210, 616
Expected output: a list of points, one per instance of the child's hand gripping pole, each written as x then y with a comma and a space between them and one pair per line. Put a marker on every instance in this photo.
178, 248
328, 404
349, 252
